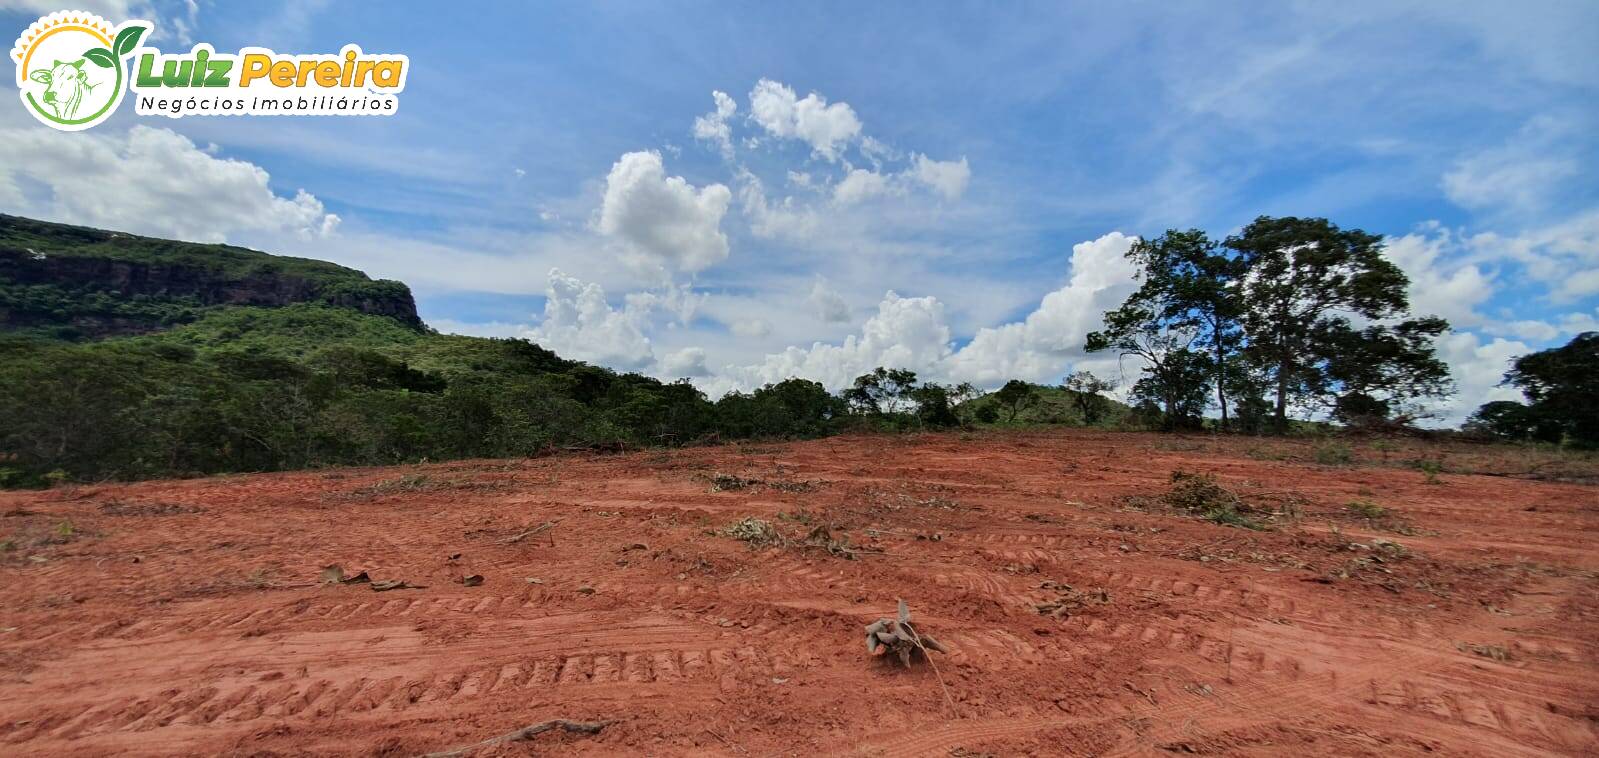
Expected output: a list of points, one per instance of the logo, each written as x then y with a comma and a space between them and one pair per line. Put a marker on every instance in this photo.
73, 69
69, 67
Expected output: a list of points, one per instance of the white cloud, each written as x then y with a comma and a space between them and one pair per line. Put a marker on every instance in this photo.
151, 181
826, 128
948, 178
579, 323
830, 306
713, 126
1477, 368
859, 185
688, 362
786, 219
1564, 255
753, 327
1577, 323
1517, 176
1442, 280
664, 218
914, 333
905, 333
1537, 331
1039, 347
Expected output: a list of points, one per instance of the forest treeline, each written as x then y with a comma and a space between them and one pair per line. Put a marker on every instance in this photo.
1291, 317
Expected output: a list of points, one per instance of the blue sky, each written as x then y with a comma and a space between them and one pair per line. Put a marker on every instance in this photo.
988, 164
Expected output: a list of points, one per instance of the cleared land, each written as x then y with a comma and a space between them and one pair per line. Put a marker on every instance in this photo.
1383, 610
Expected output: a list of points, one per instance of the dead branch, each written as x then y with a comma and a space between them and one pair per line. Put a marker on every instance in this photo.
527, 733
529, 533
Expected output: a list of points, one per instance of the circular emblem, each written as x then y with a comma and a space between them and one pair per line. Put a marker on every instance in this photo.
70, 69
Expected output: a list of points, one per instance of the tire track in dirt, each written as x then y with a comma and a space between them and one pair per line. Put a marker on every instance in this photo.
658, 653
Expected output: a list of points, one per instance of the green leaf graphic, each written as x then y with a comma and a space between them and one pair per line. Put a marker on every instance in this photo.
127, 40
100, 57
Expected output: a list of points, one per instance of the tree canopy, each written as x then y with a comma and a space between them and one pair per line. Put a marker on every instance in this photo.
1296, 309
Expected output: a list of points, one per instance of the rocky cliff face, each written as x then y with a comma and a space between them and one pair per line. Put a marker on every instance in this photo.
91, 283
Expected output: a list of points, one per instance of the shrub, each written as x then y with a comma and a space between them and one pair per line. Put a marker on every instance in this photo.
1334, 454
1201, 495
1366, 509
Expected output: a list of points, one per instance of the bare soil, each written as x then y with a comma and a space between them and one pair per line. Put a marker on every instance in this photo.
1083, 613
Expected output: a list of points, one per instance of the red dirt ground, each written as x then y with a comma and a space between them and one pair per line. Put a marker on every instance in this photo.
186, 617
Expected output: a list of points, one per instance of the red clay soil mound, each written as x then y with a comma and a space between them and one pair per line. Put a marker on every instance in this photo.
713, 601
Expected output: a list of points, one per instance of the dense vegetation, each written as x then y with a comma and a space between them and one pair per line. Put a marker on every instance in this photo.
249, 362
1562, 389
69, 282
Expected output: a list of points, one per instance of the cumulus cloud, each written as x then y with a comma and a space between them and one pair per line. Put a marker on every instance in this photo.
914, 333
713, 127
151, 181
664, 218
1477, 367
1443, 281
904, 333
579, 323
826, 128
1039, 347
688, 362
948, 178
859, 185
830, 306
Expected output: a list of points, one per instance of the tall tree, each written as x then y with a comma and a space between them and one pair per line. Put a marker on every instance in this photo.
1373, 374
1016, 396
1195, 283
1563, 385
1086, 388
1180, 387
1138, 330
883, 391
1302, 275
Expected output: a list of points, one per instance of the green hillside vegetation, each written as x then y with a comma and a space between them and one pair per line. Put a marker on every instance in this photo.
125, 357
70, 282
1049, 405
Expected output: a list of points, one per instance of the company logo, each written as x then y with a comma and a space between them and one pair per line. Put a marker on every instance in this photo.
69, 67
72, 66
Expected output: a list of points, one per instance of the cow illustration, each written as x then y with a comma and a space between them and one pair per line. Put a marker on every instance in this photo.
67, 84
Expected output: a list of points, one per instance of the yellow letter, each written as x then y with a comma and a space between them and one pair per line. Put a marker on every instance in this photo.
327, 74
255, 67
387, 73
282, 74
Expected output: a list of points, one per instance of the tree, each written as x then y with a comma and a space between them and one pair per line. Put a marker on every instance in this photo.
883, 391
1137, 329
1373, 374
933, 406
1181, 388
1191, 282
1562, 385
1085, 390
1015, 396
1510, 420
1302, 274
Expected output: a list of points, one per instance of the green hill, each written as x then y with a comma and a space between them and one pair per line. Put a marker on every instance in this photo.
71, 282
1049, 405
131, 357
